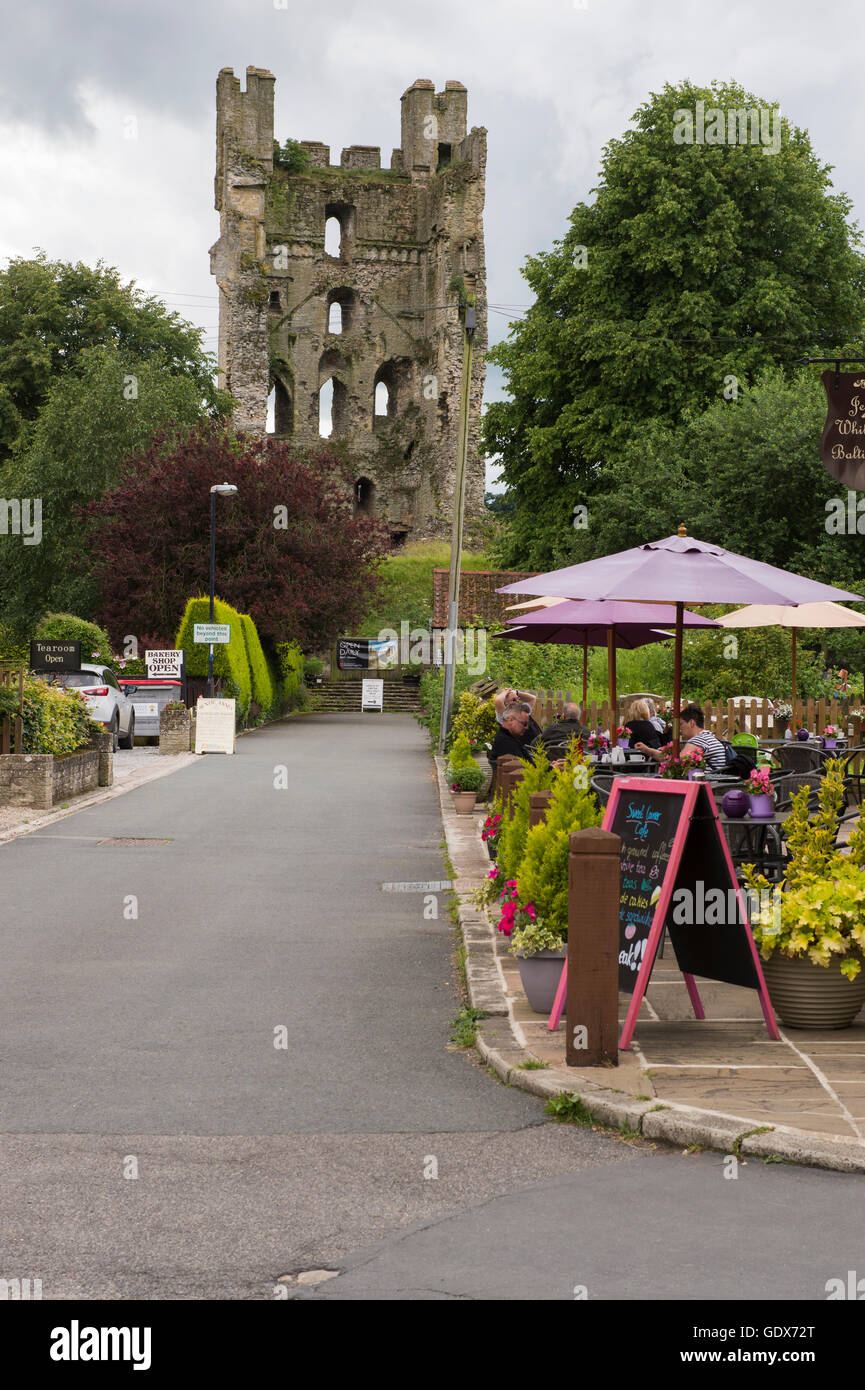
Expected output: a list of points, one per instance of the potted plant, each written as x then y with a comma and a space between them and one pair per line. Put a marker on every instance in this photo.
683, 765
623, 736
540, 952
759, 789
465, 783
782, 714
597, 745
535, 900
830, 736
490, 832
811, 938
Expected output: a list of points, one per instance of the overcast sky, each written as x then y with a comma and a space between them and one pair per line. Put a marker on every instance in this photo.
107, 108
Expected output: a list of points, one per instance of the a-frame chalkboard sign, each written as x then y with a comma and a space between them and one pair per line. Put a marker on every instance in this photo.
676, 871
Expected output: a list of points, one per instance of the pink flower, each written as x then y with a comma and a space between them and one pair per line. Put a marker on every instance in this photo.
494, 873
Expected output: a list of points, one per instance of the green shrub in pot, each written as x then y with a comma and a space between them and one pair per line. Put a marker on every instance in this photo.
820, 912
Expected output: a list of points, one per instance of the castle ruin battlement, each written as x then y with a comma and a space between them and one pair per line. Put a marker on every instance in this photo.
378, 318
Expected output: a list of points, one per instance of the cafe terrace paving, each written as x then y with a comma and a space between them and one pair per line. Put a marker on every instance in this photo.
808, 1087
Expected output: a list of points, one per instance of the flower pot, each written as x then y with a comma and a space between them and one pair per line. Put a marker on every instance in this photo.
464, 802
781, 727
805, 995
761, 807
830, 742
623, 743
540, 975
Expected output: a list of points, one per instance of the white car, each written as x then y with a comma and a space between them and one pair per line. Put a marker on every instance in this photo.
106, 701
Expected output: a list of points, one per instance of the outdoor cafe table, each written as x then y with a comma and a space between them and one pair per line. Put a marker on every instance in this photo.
753, 838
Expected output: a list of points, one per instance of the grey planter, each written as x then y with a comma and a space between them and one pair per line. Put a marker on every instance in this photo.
540, 975
805, 995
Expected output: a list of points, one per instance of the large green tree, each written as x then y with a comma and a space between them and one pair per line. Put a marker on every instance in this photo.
52, 311
90, 422
695, 264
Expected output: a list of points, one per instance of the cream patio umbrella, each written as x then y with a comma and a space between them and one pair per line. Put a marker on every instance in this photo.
804, 615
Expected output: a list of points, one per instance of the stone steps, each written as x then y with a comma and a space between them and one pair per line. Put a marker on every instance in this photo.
345, 695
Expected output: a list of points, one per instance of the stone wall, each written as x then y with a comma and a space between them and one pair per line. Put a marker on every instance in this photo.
40, 780
411, 247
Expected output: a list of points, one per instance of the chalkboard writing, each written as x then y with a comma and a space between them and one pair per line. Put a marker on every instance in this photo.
647, 821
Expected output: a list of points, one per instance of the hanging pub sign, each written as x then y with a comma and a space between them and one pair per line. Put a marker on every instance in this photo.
842, 447
361, 654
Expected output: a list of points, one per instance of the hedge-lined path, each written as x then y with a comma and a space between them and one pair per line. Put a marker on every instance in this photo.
147, 1044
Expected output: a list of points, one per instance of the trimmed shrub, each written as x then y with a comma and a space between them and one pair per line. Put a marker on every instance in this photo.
460, 754
230, 660
512, 840
291, 659
65, 627
263, 691
542, 873
476, 718
55, 720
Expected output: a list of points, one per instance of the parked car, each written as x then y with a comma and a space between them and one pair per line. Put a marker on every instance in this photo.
150, 695
107, 703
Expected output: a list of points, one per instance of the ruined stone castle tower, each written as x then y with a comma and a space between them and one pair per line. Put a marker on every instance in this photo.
376, 313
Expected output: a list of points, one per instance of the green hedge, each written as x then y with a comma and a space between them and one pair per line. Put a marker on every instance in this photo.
291, 661
264, 692
55, 720
65, 627
230, 660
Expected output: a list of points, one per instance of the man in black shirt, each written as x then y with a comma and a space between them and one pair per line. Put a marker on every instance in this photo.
556, 737
511, 737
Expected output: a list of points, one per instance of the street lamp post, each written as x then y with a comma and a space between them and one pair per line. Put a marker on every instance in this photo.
224, 490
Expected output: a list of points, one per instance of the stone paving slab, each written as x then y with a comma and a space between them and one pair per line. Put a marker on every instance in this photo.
686, 1081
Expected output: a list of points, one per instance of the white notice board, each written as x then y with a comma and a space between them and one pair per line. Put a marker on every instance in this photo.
372, 695
214, 726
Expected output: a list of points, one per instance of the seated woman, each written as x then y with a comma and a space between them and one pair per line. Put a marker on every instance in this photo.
642, 730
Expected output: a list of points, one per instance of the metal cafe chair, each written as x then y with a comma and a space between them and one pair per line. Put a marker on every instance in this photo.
797, 757
854, 774
601, 784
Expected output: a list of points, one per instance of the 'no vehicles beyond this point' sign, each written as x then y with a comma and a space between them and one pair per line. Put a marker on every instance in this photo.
212, 632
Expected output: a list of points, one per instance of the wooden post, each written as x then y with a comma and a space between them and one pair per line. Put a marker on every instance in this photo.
592, 1038
793, 631
677, 673
538, 803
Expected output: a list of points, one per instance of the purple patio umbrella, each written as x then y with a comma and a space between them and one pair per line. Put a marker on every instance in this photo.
600, 624
662, 571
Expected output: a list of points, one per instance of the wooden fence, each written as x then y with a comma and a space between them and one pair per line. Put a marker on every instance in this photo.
723, 717
12, 729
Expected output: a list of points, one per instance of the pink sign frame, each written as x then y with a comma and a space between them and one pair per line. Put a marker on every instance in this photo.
688, 792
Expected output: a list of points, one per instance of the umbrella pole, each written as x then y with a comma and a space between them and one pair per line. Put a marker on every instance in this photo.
677, 676
585, 676
611, 673
793, 630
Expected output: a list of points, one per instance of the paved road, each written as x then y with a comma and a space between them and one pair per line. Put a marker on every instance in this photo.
146, 1043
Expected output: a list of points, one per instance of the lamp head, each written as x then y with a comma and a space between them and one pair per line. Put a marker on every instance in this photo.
224, 489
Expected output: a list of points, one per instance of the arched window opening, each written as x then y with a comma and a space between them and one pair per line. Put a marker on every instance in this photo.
333, 238
382, 399
270, 425
283, 410
334, 318
332, 409
274, 304
338, 230
325, 410
341, 310
364, 496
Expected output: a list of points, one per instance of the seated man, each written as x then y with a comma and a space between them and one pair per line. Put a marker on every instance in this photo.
693, 736
556, 737
517, 697
511, 737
